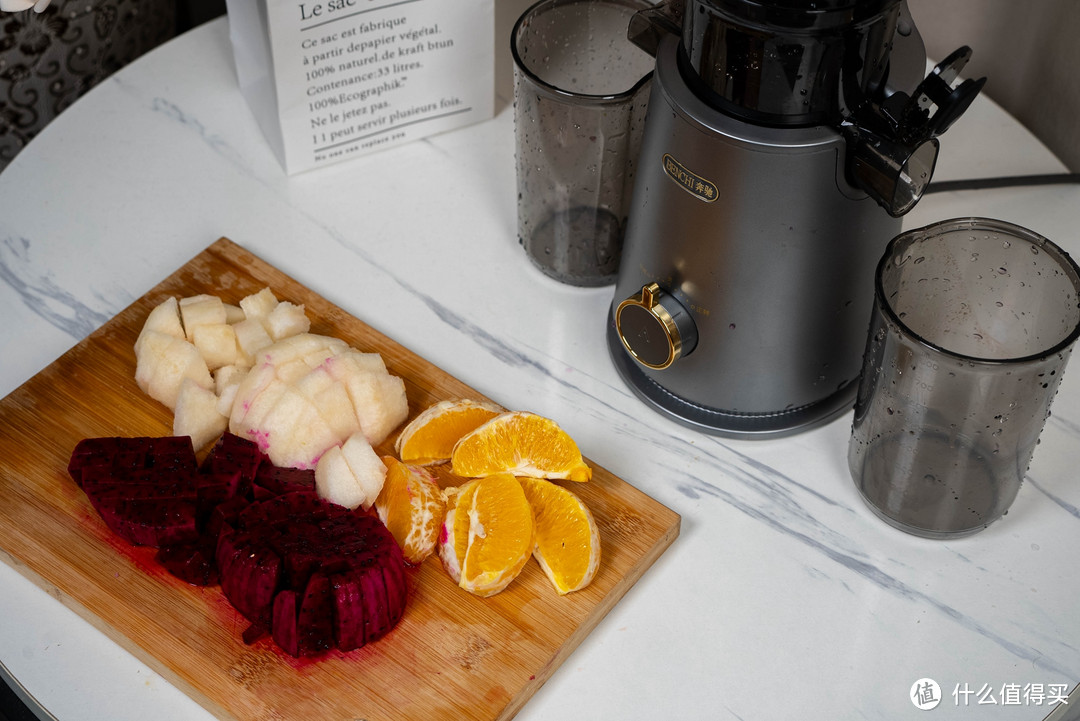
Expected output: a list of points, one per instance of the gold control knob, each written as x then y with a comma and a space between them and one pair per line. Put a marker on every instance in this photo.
655, 328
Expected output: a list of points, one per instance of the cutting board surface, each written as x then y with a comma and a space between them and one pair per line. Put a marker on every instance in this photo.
452, 656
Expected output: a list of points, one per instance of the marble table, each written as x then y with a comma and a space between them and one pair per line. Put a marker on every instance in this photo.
784, 596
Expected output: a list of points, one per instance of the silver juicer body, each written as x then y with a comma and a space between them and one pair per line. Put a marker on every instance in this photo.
746, 280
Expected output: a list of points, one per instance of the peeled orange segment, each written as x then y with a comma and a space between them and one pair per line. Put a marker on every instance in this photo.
521, 443
411, 506
488, 534
567, 540
455, 527
430, 437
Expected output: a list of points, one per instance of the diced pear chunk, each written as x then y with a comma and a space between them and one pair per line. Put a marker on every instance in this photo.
233, 314
228, 375
258, 305
299, 346
380, 403
226, 383
251, 387
297, 435
200, 310
249, 411
331, 399
163, 363
196, 299
252, 338
292, 371
352, 362
197, 415
217, 343
351, 474
286, 319
317, 358
164, 318
337, 409
367, 467
335, 482
225, 400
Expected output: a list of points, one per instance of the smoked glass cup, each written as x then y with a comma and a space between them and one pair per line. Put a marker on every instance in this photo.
973, 323
581, 89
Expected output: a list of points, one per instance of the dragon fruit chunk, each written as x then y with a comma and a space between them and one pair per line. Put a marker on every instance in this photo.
285, 632
233, 453
249, 574
277, 480
339, 575
191, 562
315, 624
130, 454
149, 522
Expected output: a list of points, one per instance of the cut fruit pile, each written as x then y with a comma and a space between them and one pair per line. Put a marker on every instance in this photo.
312, 574
278, 512
509, 510
307, 400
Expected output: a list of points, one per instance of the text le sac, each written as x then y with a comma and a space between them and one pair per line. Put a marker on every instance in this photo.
317, 10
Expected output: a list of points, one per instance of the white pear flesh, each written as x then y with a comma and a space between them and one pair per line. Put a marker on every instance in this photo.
201, 310
252, 338
164, 318
258, 305
335, 482
287, 320
366, 466
197, 414
217, 344
162, 364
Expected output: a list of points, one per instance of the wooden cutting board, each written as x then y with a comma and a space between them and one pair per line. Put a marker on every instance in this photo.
453, 655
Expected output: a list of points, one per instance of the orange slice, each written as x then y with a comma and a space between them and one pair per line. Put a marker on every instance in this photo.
454, 537
567, 540
521, 443
430, 437
488, 534
411, 506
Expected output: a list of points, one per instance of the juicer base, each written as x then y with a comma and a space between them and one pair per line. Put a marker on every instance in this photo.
723, 423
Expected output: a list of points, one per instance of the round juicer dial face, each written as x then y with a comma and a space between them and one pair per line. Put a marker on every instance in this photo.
655, 328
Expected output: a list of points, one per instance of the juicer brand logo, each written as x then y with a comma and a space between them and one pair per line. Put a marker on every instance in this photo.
691, 182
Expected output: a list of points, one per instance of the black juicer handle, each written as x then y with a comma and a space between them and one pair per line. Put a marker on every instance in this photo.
937, 103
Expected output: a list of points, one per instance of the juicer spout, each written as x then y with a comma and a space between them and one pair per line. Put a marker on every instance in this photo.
892, 144
648, 27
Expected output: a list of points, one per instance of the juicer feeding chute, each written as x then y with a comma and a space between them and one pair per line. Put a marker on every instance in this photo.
775, 131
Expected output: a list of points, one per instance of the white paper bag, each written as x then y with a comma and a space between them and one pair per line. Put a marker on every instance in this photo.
332, 79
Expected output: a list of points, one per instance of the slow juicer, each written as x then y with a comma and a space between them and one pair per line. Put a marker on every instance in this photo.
784, 140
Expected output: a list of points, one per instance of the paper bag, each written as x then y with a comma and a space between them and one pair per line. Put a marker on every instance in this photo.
332, 79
